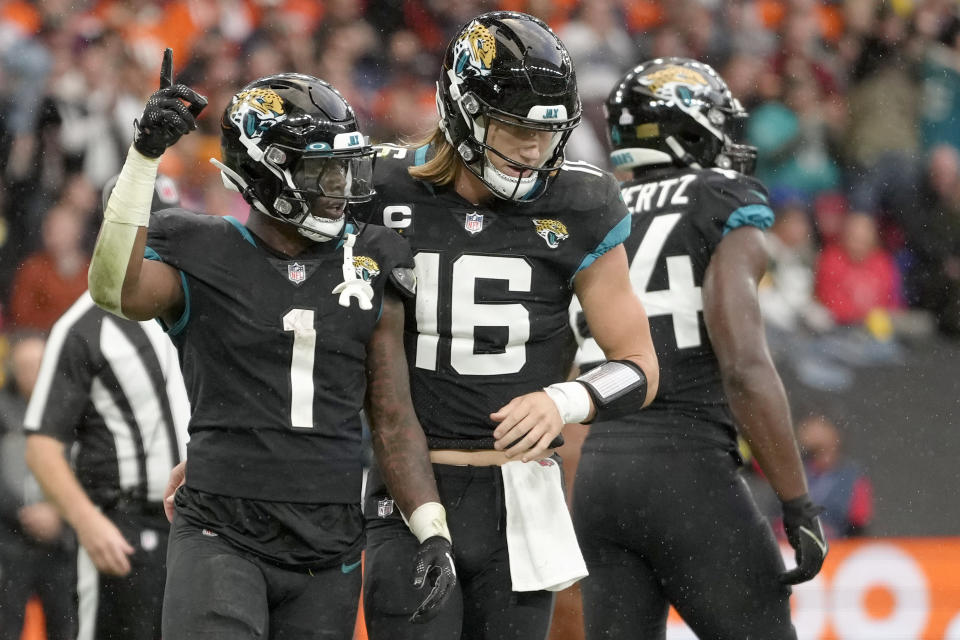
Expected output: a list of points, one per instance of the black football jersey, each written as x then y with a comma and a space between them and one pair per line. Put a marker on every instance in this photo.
494, 283
273, 364
678, 219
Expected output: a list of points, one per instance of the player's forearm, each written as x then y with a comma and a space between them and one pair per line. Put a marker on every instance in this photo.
759, 404
45, 457
403, 461
115, 266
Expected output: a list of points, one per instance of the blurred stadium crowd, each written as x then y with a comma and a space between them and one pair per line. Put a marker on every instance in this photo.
853, 103
853, 108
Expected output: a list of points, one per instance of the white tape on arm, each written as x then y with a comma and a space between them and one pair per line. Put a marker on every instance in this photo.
572, 400
428, 520
127, 210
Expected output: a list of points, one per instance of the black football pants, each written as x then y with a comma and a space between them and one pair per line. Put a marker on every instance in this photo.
675, 524
217, 592
484, 606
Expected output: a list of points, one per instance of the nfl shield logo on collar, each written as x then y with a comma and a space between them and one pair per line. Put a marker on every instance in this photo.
384, 507
296, 272
473, 223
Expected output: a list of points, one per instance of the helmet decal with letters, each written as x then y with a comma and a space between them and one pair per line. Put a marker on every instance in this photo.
474, 51
553, 232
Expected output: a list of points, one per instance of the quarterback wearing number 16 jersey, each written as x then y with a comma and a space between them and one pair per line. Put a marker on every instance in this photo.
494, 282
503, 231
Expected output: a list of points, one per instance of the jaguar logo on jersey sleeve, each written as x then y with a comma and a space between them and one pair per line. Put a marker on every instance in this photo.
676, 82
367, 268
256, 110
474, 51
553, 232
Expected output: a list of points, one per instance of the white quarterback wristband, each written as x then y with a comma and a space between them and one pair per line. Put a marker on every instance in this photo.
428, 520
572, 400
128, 209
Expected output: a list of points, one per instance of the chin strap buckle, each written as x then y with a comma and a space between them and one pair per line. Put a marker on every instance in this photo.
352, 286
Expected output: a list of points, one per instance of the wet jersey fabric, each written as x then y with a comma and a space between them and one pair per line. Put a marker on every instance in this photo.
275, 371
678, 219
494, 282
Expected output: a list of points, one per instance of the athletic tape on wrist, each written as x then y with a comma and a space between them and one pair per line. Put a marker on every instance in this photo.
428, 520
572, 400
128, 209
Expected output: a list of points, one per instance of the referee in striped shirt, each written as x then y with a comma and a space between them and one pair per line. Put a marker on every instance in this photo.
112, 389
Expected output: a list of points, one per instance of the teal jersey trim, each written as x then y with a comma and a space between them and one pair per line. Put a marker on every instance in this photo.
242, 229
181, 323
348, 228
420, 155
752, 215
616, 236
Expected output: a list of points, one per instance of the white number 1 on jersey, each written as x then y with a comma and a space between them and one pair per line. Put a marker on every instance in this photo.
300, 321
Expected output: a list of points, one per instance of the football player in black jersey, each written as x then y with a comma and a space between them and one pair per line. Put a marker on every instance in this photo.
503, 231
284, 326
661, 512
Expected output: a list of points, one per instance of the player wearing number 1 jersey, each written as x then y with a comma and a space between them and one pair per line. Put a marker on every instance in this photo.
661, 512
285, 326
503, 231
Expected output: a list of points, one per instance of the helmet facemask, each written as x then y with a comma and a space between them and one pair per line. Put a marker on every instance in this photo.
521, 180
318, 186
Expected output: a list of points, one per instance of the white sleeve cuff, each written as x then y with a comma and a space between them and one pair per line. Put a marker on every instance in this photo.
428, 520
572, 400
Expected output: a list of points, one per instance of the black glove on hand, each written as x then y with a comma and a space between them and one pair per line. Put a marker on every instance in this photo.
166, 117
805, 534
434, 562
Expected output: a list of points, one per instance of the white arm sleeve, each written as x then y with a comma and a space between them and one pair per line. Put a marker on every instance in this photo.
127, 210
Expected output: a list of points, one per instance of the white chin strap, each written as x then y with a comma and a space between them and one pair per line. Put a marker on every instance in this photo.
326, 229
507, 186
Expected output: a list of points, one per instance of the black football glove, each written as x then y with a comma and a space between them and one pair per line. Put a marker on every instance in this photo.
434, 563
165, 117
805, 534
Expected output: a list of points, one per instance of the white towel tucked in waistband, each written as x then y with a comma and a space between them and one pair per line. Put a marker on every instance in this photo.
543, 548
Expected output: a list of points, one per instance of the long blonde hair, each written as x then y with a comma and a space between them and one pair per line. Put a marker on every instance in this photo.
441, 169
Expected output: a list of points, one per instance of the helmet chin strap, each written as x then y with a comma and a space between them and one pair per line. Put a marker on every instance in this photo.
321, 229
233, 180
513, 188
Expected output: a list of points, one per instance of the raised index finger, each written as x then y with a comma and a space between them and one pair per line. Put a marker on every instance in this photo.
166, 69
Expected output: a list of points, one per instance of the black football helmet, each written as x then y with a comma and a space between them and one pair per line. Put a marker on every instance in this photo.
291, 146
508, 67
675, 111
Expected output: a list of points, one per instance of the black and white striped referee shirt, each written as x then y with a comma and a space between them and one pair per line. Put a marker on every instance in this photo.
113, 388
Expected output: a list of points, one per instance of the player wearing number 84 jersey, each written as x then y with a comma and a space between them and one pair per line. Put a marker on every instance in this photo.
503, 231
687, 531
